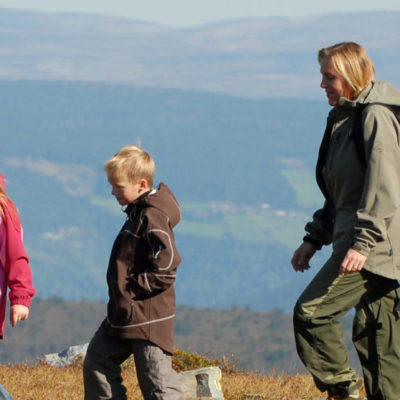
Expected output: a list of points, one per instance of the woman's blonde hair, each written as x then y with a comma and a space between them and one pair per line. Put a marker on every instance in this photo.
131, 162
352, 62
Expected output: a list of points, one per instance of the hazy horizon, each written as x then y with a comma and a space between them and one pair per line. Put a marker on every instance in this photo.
178, 13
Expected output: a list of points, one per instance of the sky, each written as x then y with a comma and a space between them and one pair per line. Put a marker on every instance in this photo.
188, 13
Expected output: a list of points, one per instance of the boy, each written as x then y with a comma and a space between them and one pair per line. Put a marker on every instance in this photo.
140, 277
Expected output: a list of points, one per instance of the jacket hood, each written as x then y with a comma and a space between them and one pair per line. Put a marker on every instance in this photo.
375, 92
161, 198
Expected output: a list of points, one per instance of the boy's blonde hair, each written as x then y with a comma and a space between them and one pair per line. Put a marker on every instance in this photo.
133, 163
352, 62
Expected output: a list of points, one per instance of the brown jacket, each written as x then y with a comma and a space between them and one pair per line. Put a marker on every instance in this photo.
364, 208
142, 271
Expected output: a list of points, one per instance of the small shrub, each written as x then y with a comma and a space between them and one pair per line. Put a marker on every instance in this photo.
184, 361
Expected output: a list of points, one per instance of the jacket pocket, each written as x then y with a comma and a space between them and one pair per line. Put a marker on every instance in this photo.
123, 314
381, 255
394, 252
393, 234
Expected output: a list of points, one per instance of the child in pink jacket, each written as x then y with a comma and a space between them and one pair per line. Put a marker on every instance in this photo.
15, 272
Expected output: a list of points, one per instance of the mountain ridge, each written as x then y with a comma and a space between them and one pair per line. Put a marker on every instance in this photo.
242, 171
256, 58
232, 119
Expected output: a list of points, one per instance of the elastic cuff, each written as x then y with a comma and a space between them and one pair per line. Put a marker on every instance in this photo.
316, 244
361, 249
22, 300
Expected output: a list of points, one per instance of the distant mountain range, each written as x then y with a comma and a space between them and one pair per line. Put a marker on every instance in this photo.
265, 57
242, 170
75, 88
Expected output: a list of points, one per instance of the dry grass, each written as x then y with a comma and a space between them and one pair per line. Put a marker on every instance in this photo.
44, 382
277, 387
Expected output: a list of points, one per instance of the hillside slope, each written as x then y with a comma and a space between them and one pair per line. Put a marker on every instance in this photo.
242, 170
261, 341
265, 57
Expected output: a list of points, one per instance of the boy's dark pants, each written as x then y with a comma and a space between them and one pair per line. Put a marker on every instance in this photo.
376, 331
102, 370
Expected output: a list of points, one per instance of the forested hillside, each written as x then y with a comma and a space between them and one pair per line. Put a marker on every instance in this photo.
242, 170
261, 341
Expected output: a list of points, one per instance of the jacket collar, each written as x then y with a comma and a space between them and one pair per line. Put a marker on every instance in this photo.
346, 103
140, 202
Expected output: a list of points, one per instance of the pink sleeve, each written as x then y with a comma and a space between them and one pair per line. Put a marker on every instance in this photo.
18, 272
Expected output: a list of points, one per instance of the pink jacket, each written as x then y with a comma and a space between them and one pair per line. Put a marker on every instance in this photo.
15, 272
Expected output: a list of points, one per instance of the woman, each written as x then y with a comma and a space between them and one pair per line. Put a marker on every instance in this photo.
361, 218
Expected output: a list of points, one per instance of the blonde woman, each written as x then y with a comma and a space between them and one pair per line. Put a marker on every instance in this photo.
361, 219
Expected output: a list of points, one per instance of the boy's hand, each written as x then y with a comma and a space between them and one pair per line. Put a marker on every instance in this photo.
18, 313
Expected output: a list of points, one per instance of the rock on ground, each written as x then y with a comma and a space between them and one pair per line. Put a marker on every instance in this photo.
4, 395
67, 356
199, 383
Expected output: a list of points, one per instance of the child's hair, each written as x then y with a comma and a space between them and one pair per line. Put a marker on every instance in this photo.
6, 202
132, 162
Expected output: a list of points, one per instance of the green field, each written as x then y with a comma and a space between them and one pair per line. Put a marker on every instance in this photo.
255, 225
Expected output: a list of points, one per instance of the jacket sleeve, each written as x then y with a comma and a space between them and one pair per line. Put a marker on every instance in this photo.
320, 229
19, 276
381, 192
163, 257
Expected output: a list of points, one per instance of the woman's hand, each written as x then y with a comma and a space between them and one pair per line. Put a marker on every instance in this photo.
353, 262
302, 256
18, 312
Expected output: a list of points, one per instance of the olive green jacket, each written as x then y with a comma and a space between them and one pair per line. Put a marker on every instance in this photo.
363, 211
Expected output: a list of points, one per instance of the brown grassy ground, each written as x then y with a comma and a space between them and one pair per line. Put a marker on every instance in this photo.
44, 382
